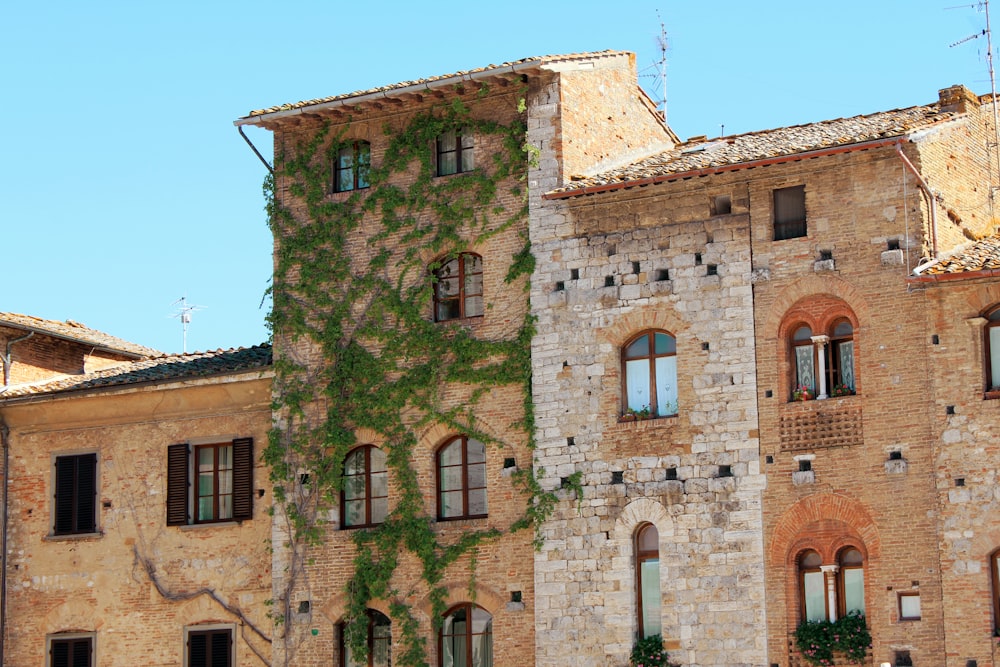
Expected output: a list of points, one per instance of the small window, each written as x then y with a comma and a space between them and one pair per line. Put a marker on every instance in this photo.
721, 205
458, 288
851, 582
649, 372
210, 648
210, 483
992, 347
836, 356
71, 650
461, 465
789, 213
812, 587
75, 510
840, 369
647, 575
454, 153
364, 500
909, 606
378, 643
466, 638
351, 167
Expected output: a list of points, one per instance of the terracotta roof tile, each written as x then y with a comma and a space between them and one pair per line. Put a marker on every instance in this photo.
983, 255
761, 145
163, 368
75, 331
428, 81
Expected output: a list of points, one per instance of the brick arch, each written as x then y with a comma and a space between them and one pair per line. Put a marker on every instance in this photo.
72, 616
202, 610
487, 598
821, 511
435, 434
641, 319
335, 607
636, 513
811, 286
984, 298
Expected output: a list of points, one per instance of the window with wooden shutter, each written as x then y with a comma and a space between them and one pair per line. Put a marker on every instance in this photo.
75, 495
73, 651
210, 483
210, 648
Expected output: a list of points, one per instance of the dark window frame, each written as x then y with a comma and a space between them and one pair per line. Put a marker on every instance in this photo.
182, 477
74, 494
652, 356
375, 618
470, 609
465, 299
908, 594
464, 465
842, 568
789, 216
992, 316
367, 473
465, 160
358, 166
216, 639
70, 650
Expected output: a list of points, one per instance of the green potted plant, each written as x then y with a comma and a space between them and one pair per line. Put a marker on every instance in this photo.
648, 652
817, 641
802, 393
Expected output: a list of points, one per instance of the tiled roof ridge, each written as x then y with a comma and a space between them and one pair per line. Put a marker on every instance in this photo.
161, 368
729, 151
73, 330
388, 88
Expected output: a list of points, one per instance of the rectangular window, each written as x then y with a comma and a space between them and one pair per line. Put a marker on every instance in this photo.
815, 595
75, 495
789, 213
454, 153
210, 648
909, 606
210, 483
71, 651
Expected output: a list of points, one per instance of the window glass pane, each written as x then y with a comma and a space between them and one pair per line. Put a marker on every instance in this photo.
810, 560
451, 454
477, 502
380, 509
649, 539
802, 334
226, 481
447, 287
364, 163
206, 483
804, 370
476, 451
225, 507
477, 476
473, 263
451, 478
790, 204
468, 159
205, 509
474, 284
815, 596
380, 484
664, 344
994, 316
345, 180
649, 580
473, 306
354, 512
354, 487
451, 504
447, 164
666, 385
467, 138
225, 458
446, 141
206, 458
843, 329
846, 351
995, 355
637, 383
854, 589
909, 606
851, 557
638, 348
377, 458
448, 310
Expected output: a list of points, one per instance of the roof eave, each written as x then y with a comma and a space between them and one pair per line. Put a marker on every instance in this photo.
514, 68
82, 341
707, 171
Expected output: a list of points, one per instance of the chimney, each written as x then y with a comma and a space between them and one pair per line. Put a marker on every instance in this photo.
956, 98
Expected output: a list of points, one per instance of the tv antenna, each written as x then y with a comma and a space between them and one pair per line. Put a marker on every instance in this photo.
659, 68
184, 315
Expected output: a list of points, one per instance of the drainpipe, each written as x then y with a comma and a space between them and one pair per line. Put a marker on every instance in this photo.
5, 442
6, 366
926, 189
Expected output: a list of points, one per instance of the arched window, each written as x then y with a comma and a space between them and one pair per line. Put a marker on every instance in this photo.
992, 346
805, 359
378, 642
351, 166
364, 500
466, 638
647, 575
851, 580
649, 373
458, 288
841, 366
461, 482
812, 587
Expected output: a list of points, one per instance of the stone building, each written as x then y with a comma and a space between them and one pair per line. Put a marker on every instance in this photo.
135, 506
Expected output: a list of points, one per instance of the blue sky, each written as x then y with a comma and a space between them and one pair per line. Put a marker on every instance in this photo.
126, 186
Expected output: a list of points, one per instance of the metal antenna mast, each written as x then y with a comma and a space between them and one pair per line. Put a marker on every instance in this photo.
184, 314
659, 68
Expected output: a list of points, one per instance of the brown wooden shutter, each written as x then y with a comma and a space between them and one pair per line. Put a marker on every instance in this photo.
178, 469
86, 493
242, 479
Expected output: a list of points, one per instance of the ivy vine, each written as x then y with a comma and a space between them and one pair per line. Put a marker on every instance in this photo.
351, 281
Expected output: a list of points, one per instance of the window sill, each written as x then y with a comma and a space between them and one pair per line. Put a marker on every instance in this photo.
991, 395
452, 520
215, 524
76, 537
630, 422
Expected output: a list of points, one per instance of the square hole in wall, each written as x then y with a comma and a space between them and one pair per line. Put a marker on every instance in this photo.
725, 471
697, 258
896, 455
892, 244
903, 659
825, 255
574, 274
662, 274
712, 270
560, 286
635, 267
509, 462
515, 596
609, 281
721, 205
805, 465
617, 477
671, 473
